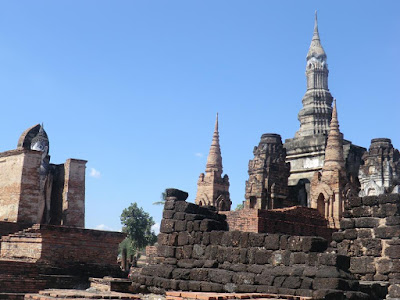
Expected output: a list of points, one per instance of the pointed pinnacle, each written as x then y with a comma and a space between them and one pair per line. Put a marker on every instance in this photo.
316, 34
216, 124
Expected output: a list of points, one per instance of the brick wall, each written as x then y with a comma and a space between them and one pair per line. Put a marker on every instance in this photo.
296, 220
369, 235
62, 246
19, 185
74, 193
199, 254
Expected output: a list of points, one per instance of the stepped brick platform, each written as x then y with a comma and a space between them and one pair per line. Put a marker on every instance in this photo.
53, 294
226, 296
48, 256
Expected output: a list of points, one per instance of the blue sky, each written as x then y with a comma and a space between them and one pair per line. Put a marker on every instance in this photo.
133, 86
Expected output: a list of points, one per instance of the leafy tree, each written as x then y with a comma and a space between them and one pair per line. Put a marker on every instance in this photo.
162, 197
239, 207
137, 224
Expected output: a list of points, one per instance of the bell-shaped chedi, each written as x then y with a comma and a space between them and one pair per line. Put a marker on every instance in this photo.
212, 187
328, 186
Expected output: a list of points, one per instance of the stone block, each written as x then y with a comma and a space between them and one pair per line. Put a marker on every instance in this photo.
194, 286
210, 225
389, 198
190, 226
199, 275
298, 258
346, 223
333, 259
393, 220
187, 207
292, 282
167, 226
183, 238
220, 276
363, 211
267, 289
181, 274
193, 217
165, 251
271, 241
283, 242
186, 263
169, 205
327, 294
366, 222
350, 234
198, 251
187, 251
387, 232
244, 239
226, 239
295, 243
278, 281
238, 267
355, 201
162, 239
330, 283
256, 239
243, 278
362, 265
256, 269
363, 233
265, 278
306, 283
179, 215
370, 201
394, 290
310, 271
196, 225
180, 225
314, 244
262, 256
393, 251
210, 263
168, 214
175, 194
338, 236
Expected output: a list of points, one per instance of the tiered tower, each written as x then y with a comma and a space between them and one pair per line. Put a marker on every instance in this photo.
268, 174
212, 188
306, 151
327, 187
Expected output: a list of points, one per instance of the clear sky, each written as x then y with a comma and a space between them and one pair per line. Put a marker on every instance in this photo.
134, 86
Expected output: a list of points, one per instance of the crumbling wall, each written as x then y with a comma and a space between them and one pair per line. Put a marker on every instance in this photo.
370, 236
200, 254
294, 220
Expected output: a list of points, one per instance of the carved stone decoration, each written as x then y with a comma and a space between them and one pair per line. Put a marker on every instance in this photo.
212, 188
328, 187
267, 186
380, 171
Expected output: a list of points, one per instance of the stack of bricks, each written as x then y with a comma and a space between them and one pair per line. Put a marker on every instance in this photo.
295, 220
370, 232
200, 255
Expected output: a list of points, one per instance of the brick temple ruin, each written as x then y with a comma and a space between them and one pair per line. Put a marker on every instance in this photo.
320, 219
42, 217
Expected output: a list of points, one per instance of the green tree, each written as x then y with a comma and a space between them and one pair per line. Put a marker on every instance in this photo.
137, 224
239, 207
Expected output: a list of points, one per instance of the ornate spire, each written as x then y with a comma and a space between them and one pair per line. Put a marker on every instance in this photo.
214, 160
334, 157
316, 49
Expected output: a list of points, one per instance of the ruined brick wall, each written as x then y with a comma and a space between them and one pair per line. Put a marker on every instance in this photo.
296, 220
19, 186
74, 193
62, 246
369, 235
199, 254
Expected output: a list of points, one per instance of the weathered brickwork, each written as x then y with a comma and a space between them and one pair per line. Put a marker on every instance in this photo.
199, 254
295, 220
369, 235
19, 178
267, 186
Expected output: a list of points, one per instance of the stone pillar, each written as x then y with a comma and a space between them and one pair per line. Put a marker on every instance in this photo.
124, 264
